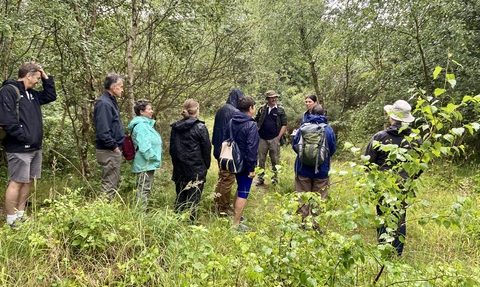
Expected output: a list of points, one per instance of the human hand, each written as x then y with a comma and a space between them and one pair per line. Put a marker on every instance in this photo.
251, 174
43, 74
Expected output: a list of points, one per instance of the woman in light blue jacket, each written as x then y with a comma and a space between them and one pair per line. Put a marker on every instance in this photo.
148, 147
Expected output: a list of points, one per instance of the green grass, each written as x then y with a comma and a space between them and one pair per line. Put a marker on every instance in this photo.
75, 239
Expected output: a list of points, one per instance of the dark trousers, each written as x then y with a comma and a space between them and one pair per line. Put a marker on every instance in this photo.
188, 197
400, 231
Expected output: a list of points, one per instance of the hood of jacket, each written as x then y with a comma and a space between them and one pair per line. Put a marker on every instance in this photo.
316, 119
233, 97
185, 124
239, 117
19, 85
394, 130
140, 119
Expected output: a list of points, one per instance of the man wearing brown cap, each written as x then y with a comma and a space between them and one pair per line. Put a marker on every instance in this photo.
272, 123
396, 134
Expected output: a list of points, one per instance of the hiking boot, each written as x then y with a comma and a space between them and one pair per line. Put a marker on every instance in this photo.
242, 228
225, 212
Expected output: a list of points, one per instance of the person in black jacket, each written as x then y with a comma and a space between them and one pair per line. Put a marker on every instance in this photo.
110, 134
223, 188
21, 119
190, 150
396, 134
245, 133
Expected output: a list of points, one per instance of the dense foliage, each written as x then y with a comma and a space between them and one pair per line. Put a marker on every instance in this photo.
356, 56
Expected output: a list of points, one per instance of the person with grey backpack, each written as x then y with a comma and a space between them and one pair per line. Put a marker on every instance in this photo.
315, 144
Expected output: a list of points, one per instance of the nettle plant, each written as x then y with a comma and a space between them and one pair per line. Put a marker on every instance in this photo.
441, 131
330, 249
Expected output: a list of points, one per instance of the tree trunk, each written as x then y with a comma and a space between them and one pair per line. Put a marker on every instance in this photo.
131, 66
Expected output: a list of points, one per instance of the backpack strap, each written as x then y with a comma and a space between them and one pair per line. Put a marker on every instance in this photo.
17, 100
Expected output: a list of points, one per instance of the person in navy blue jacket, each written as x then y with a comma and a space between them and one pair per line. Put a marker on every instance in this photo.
245, 131
306, 177
223, 188
110, 134
21, 119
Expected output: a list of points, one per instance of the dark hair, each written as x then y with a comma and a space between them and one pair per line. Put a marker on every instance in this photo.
141, 106
317, 110
28, 68
245, 103
312, 97
111, 80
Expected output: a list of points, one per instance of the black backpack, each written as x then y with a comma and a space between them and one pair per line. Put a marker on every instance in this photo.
312, 146
3, 133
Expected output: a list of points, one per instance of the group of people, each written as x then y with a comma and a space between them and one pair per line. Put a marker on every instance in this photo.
256, 133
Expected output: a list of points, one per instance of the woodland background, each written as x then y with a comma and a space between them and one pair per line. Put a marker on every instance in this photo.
356, 56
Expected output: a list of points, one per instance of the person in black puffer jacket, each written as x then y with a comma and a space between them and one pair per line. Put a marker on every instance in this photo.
190, 149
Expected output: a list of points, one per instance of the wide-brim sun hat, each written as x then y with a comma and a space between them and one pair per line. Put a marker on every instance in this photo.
400, 111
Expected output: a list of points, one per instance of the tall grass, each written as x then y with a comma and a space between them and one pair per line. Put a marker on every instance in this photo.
74, 238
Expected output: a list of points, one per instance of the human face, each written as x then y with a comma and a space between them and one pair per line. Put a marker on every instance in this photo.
272, 101
309, 104
117, 89
148, 112
32, 79
251, 111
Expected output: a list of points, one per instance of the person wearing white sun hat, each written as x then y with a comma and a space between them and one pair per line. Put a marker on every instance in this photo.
400, 115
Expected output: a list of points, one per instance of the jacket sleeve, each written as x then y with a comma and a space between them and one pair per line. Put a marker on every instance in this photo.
252, 147
103, 117
171, 149
283, 116
371, 151
296, 139
8, 114
48, 94
331, 140
205, 145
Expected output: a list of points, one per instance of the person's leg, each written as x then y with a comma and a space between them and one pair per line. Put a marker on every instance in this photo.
223, 190
18, 188
144, 186
181, 197
262, 157
193, 199
110, 162
274, 153
401, 232
303, 184
321, 185
244, 184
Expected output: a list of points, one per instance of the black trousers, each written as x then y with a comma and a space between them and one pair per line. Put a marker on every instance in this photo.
188, 197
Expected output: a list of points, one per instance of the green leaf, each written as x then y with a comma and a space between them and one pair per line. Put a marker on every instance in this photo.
439, 92
436, 72
458, 131
448, 137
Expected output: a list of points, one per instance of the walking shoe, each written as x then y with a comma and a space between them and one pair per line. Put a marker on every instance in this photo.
242, 228
16, 225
